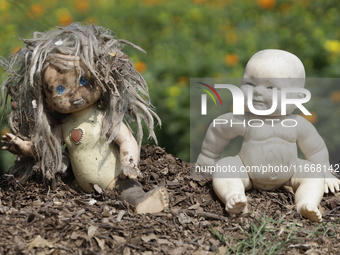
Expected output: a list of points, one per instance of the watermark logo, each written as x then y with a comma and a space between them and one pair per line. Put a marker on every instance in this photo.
238, 99
204, 97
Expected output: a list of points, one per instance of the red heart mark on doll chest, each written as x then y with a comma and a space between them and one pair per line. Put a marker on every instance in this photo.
76, 135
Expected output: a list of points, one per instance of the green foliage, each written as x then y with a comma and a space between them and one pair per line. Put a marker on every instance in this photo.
269, 236
199, 39
261, 238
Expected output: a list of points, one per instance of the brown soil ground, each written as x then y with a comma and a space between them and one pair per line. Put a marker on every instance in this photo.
34, 220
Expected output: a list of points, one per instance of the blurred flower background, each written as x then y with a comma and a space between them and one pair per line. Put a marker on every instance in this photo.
197, 39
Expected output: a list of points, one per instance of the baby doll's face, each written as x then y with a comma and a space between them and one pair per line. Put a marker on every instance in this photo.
65, 91
262, 93
262, 77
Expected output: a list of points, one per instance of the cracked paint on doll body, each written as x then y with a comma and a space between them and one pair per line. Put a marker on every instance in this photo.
93, 160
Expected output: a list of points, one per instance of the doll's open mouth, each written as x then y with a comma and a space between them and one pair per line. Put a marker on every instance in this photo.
78, 102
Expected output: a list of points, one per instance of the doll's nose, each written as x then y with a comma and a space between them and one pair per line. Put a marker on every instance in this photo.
259, 90
72, 93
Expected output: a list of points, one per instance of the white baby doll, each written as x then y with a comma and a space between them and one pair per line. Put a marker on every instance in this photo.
271, 144
74, 85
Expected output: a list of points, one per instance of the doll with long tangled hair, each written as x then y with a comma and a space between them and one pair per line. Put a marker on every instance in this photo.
74, 85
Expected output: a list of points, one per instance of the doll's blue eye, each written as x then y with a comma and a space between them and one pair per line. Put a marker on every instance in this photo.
61, 89
83, 81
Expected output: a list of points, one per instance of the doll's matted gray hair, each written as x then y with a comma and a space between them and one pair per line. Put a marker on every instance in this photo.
124, 97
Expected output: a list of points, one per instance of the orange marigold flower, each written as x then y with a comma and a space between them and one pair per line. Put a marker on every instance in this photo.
91, 20
36, 10
231, 59
266, 4
65, 19
183, 80
64, 16
82, 5
335, 96
140, 66
311, 118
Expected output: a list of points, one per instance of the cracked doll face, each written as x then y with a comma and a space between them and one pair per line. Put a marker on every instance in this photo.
66, 90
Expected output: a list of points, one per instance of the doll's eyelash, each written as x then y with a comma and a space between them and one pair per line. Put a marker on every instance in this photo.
83, 81
249, 83
271, 87
61, 89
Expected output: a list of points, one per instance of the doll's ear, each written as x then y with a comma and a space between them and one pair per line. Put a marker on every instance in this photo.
300, 95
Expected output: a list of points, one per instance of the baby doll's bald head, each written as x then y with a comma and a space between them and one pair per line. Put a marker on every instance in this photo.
273, 69
274, 64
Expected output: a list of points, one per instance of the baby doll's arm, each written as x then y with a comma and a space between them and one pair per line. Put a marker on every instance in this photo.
218, 137
314, 148
129, 153
16, 145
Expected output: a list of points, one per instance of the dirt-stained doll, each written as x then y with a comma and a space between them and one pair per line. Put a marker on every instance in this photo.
74, 85
272, 144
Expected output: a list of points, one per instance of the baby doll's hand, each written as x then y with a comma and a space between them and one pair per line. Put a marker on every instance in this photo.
203, 160
332, 184
16, 145
130, 171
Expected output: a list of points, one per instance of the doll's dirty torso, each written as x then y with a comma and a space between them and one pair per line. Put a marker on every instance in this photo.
272, 149
92, 159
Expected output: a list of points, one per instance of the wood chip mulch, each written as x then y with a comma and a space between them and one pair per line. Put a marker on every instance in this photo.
35, 220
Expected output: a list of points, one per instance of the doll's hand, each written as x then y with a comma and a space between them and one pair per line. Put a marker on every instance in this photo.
332, 184
130, 171
16, 145
203, 160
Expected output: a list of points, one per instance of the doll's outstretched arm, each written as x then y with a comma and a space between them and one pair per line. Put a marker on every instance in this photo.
18, 146
129, 153
218, 136
314, 148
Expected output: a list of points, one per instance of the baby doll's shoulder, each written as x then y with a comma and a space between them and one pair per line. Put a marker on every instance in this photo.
303, 126
300, 119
